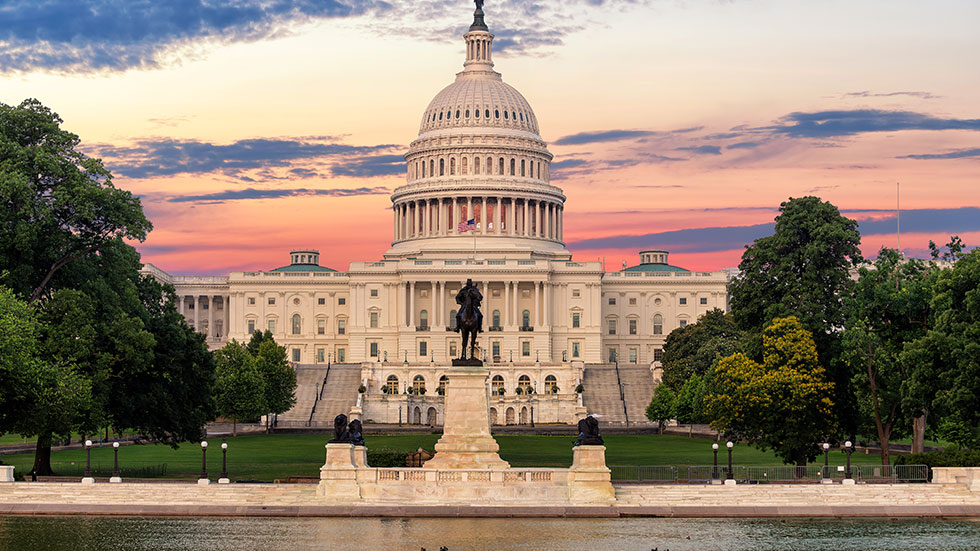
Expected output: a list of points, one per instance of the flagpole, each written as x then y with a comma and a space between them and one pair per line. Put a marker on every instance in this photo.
898, 215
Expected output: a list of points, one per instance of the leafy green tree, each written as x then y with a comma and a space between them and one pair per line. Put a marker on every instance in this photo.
661, 407
802, 270
693, 349
944, 374
953, 249
240, 389
689, 403
58, 204
256, 340
278, 376
784, 403
889, 308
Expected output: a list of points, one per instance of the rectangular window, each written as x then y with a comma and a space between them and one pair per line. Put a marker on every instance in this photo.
272, 326
374, 320
373, 352
633, 301
321, 355
341, 355
683, 300
576, 320
632, 327
704, 300
612, 355
658, 354
495, 292
341, 327
452, 348
251, 326
682, 323
296, 355
205, 306
272, 301
251, 301
423, 348
612, 301
495, 349
342, 301
576, 293
374, 292
321, 301
525, 348
612, 327
576, 352
632, 355
321, 327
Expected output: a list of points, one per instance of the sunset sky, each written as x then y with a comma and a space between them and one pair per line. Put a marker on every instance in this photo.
250, 127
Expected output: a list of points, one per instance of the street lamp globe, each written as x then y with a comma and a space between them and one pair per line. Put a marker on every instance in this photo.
714, 446
730, 445
224, 445
826, 446
88, 443
115, 444
204, 444
847, 444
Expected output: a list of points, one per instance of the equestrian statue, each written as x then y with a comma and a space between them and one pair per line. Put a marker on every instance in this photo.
469, 319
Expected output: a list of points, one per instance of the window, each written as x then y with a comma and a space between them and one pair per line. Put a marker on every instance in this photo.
476, 163
297, 324
496, 113
468, 113
204, 306
683, 300
495, 292
576, 320
525, 348
682, 323
496, 384
457, 113
341, 355
525, 318
505, 114
296, 355
251, 326
658, 354
612, 355
496, 319
272, 326
424, 318
452, 348
632, 301
522, 167
704, 300
374, 293
576, 350
612, 326
391, 385
489, 165
658, 324
576, 293
423, 348
501, 171
550, 384
342, 301
464, 168
272, 301
632, 327
321, 301
495, 349
486, 113
452, 320
612, 301
373, 350
320, 355
442, 167
341, 327
251, 301
512, 167
452, 166
321, 327
443, 380
524, 383
632, 355
374, 320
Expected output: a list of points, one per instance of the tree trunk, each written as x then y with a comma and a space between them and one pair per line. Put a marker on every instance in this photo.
234, 427
42, 455
919, 433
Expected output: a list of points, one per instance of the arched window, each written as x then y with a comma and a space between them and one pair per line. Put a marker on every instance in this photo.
432, 167
489, 165
418, 383
464, 167
522, 167
423, 169
512, 167
487, 113
442, 167
476, 112
496, 113
424, 318
496, 318
452, 166
467, 113
526, 318
297, 324
457, 113
658, 324
496, 384
501, 171
539, 170
476, 165
550, 385
513, 115
452, 319
391, 385
505, 115
524, 383
443, 381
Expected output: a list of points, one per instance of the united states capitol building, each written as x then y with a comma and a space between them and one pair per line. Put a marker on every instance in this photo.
550, 323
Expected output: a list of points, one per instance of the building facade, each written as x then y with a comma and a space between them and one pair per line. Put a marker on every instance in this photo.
477, 203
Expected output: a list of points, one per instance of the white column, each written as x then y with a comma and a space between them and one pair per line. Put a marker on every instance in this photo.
180, 304
526, 230
484, 220
469, 208
210, 316
511, 218
227, 325
547, 304
561, 211
537, 303
497, 217
411, 304
401, 303
197, 315
394, 221
453, 218
515, 311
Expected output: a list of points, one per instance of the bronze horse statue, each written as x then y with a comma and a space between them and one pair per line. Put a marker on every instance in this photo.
469, 319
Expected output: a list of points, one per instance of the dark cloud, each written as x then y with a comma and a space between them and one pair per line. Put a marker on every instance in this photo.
150, 158
568, 163
603, 136
958, 154
250, 193
115, 35
839, 123
869, 94
366, 167
744, 145
702, 149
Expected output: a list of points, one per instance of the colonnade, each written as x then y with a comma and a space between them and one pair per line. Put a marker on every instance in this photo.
218, 316
442, 301
509, 216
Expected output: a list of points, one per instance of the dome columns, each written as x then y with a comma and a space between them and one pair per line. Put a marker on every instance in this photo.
494, 215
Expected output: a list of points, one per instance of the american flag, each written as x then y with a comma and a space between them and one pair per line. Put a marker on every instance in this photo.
466, 225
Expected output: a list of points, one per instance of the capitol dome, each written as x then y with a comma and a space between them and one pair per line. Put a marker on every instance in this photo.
478, 174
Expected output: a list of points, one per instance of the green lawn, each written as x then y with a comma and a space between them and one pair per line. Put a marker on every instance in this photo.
268, 457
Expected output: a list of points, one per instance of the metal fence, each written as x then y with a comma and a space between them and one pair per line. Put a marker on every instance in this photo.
644, 473
890, 473
768, 474
100, 469
707, 473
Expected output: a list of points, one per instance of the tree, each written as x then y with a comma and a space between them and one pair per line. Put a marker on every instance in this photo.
59, 205
278, 376
889, 308
802, 270
689, 402
661, 407
693, 349
784, 403
945, 362
256, 340
240, 390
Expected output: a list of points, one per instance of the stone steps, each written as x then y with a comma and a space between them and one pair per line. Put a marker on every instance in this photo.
339, 394
601, 393
796, 494
307, 379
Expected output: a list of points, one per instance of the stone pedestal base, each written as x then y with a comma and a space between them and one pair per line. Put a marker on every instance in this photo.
847, 481
6, 473
716, 481
115, 480
88, 480
730, 482
826, 481
355, 413
360, 456
338, 475
466, 442
589, 478
224, 481
203, 481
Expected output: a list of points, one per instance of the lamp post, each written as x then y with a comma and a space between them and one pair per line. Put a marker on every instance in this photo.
224, 464
731, 475
714, 472
115, 479
87, 477
848, 448
204, 464
826, 461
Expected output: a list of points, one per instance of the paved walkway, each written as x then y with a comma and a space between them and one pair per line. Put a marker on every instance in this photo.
871, 500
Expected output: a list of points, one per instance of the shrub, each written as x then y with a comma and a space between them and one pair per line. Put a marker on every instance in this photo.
386, 457
361, 389
579, 389
945, 458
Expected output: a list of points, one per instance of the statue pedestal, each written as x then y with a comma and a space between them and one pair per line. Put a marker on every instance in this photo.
338, 475
589, 479
466, 442
360, 456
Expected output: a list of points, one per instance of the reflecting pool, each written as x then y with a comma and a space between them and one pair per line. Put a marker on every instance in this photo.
23, 533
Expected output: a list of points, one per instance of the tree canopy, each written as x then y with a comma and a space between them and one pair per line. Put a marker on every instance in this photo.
240, 389
693, 349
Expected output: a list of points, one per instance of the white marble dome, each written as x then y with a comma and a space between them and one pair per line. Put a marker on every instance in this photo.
479, 99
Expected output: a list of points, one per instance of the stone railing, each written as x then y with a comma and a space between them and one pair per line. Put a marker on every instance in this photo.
970, 476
